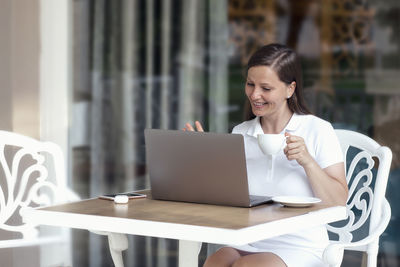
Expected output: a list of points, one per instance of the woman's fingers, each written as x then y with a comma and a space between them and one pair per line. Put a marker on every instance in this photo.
293, 142
296, 149
293, 156
293, 138
297, 154
199, 127
189, 127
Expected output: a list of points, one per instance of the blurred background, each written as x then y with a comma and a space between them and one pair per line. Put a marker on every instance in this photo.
92, 74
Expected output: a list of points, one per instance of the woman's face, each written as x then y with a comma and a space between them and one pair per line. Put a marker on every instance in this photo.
266, 92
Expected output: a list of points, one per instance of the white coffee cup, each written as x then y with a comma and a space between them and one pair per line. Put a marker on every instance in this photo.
271, 144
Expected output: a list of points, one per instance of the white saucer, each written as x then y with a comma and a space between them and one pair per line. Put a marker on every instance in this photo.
296, 201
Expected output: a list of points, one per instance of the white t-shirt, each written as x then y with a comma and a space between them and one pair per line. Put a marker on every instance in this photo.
288, 177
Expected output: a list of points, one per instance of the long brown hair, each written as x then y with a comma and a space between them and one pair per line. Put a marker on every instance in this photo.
285, 63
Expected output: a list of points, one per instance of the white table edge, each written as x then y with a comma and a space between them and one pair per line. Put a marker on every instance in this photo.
183, 231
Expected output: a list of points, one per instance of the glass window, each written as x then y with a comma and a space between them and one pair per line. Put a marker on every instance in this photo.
161, 63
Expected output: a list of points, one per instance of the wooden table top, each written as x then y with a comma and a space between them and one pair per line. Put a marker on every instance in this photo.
148, 209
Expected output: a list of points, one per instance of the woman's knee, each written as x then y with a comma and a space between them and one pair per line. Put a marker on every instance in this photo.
225, 256
241, 262
259, 259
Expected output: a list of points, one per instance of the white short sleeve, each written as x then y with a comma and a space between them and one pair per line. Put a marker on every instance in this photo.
328, 150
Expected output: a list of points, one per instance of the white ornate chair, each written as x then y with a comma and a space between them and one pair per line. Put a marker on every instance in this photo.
32, 174
368, 210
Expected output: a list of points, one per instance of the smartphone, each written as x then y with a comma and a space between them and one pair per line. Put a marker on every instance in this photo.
130, 195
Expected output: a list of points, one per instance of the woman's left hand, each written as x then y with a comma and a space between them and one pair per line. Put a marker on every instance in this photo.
296, 149
189, 127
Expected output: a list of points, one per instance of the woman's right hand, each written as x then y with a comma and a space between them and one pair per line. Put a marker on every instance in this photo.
189, 127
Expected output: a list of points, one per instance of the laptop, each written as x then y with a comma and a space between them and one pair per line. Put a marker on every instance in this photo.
198, 167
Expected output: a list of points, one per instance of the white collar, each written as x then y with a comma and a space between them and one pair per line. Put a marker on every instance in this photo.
256, 129
293, 123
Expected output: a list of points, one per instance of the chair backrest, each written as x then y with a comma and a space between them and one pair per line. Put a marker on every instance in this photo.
32, 174
367, 171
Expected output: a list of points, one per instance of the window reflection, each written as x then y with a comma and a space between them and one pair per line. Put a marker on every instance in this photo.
160, 63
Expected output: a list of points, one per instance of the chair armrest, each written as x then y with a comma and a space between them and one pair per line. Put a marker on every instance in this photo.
333, 253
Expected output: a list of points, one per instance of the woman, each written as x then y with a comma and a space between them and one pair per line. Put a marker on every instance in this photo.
311, 164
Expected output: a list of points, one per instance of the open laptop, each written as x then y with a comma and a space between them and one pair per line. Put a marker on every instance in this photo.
199, 167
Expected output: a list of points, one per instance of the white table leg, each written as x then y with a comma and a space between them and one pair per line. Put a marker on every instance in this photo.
118, 243
189, 253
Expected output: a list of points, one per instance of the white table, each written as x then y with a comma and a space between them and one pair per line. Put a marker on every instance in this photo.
190, 223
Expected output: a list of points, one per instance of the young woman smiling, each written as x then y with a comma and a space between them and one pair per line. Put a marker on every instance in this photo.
310, 165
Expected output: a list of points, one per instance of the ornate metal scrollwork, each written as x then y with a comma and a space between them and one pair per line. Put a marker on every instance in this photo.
23, 186
360, 196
